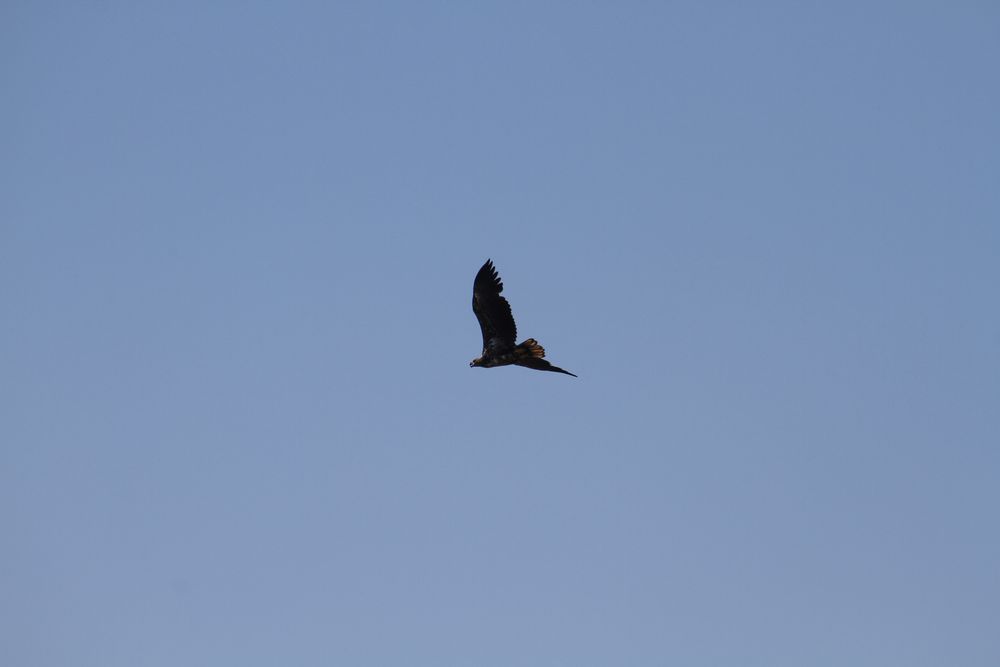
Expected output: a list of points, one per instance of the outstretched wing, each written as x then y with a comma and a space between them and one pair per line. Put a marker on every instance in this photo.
493, 311
541, 365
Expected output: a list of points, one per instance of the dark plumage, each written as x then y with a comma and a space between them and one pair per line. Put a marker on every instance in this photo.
499, 330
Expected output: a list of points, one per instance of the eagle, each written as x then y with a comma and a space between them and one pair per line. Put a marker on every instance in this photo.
499, 330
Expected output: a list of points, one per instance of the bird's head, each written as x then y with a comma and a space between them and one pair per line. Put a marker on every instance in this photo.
478, 361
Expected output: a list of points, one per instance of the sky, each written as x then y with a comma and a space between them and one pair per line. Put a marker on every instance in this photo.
237, 421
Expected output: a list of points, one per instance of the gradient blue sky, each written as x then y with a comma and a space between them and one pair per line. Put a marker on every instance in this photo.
239, 427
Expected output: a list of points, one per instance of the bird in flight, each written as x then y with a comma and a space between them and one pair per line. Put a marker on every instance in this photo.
499, 330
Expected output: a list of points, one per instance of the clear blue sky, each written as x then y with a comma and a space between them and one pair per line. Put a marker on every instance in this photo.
238, 422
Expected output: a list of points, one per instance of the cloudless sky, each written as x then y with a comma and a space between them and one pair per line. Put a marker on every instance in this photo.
237, 422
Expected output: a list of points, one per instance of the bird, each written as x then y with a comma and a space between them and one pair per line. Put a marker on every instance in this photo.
499, 330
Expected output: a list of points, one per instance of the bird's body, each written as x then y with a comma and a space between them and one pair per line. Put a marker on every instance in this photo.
499, 330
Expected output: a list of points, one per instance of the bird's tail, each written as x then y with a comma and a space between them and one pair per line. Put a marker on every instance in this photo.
530, 348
